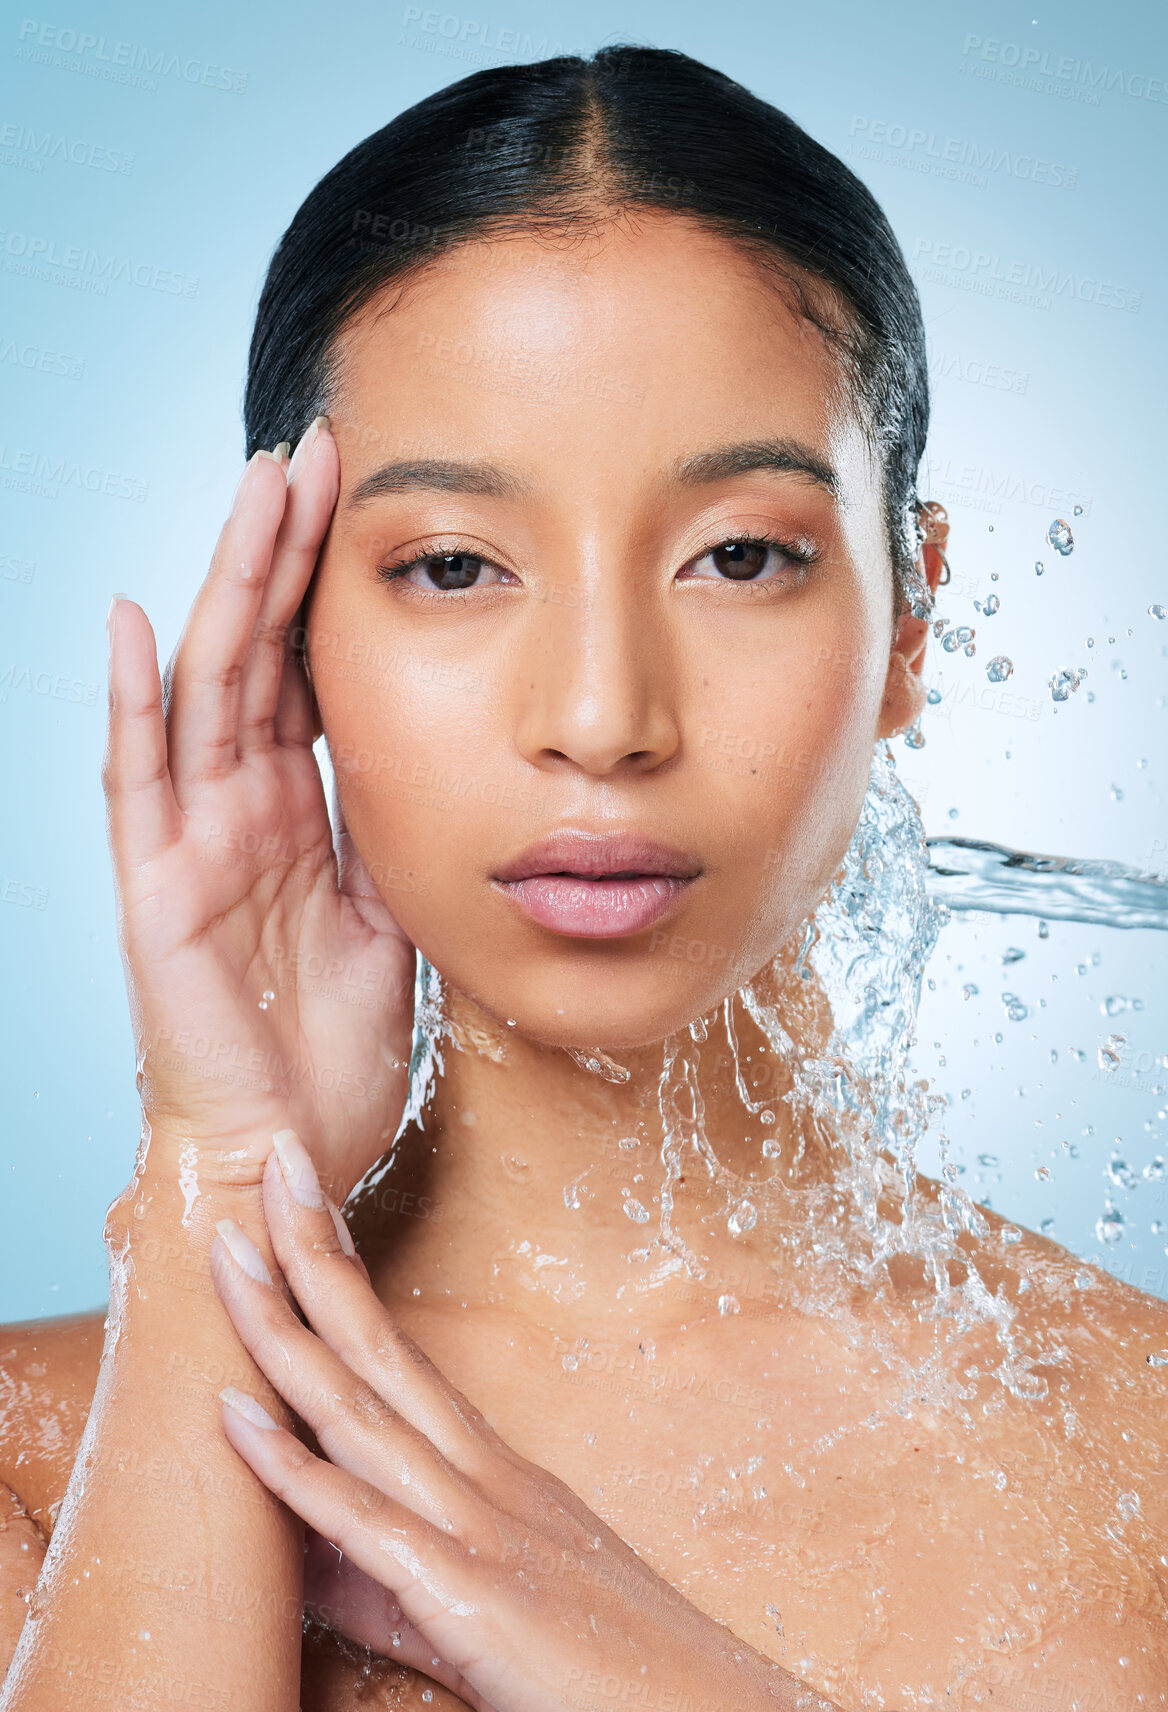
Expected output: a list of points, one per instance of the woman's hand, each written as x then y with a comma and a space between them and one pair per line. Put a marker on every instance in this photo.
457, 1556
268, 984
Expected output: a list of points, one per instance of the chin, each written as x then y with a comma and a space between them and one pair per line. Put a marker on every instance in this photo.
619, 1006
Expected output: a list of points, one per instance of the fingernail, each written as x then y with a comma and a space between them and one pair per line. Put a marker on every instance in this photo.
243, 1251
319, 422
343, 1237
111, 617
274, 456
283, 450
297, 1168
247, 1407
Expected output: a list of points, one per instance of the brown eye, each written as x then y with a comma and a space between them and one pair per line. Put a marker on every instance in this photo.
741, 560
746, 559
452, 570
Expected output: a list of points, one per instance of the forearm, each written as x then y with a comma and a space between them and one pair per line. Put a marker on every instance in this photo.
172, 1571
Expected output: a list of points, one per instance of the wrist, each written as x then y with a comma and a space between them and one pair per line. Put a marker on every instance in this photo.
177, 1211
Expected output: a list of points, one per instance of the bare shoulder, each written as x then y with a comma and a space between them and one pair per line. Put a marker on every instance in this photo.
48, 1371
1099, 1346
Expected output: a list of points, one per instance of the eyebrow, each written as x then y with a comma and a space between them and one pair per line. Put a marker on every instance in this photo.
449, 475
788, 457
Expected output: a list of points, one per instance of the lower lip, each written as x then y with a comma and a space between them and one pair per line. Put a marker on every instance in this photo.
594, 909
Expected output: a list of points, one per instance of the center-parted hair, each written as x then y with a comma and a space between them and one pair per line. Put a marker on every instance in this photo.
562, 146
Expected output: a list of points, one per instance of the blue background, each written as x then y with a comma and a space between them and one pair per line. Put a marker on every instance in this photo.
1004, 146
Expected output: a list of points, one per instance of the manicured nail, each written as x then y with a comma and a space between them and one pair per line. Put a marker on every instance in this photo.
243, 1251
274, 456
111, 617
248, 1408
297, 1168
319, 422
343, 1237
283, 450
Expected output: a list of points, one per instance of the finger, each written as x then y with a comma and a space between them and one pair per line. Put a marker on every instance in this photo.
143, 816
355, 1427
336, 1592
207, 669
344, 1310
355, 881
293, 722
313, 484
423, 1568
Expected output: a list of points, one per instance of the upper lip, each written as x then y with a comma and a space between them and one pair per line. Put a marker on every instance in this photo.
598, 855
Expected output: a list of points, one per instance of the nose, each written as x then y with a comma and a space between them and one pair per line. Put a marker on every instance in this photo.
595, 680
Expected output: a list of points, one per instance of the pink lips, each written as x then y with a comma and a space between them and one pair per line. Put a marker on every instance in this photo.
597, 885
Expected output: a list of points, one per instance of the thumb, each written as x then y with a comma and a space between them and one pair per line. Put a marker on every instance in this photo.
355, 881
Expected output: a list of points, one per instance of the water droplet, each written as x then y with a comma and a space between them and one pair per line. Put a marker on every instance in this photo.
1013, 954
598, 1063
987, 1159
1121, 1174
1016, 1011
1158, 1358
959, 638
766, 1117
571, 1197
1109, 1226
1115, 1004
1128, 1504
1039, 567
771, 1147
1084, 1281
1047, 1227
570, 1361
914, 737
990, 605
1042, 1172
999, 668
635, 1211
969, 990
698, 1029
728, 1305
1108, 1055
1064, 683
1078, 512
1060, 537
934, 698
743, 1218
1158, 610
1154, 1170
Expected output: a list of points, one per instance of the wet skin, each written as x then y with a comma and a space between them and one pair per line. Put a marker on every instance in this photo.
599, 678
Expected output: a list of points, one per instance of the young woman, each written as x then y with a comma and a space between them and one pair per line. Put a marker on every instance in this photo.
655, 1378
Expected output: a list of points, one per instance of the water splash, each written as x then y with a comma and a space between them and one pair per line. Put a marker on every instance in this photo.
1060, 537
598, 1063
972, 874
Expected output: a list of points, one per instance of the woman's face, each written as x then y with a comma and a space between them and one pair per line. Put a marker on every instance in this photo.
601, 747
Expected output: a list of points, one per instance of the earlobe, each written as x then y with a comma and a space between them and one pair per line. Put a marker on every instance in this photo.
904, 693
904, 690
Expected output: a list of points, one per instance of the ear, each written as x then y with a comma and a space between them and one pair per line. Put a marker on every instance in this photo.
904, 690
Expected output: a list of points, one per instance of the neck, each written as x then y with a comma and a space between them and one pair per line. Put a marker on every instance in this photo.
531, 1181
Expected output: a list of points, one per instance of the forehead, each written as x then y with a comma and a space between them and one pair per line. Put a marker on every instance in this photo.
633, 343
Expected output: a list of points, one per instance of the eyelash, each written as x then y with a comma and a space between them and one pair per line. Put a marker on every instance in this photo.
801, 557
